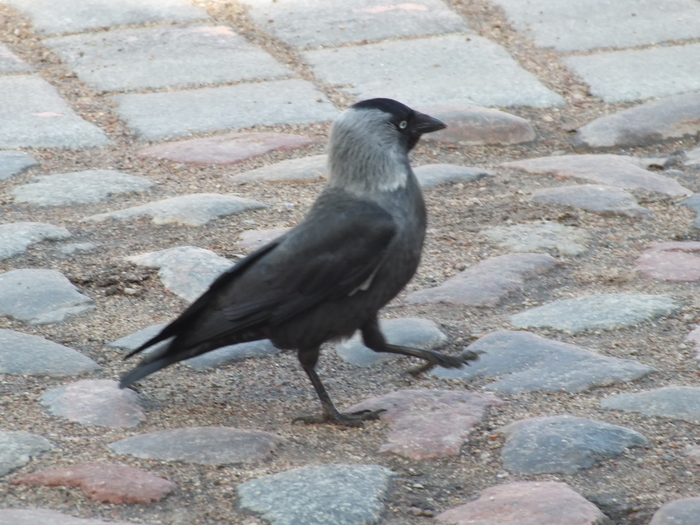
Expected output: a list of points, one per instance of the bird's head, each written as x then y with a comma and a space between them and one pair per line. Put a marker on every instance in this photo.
370, 141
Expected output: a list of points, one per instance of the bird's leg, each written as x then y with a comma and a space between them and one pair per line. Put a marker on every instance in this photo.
374, 340
330, 413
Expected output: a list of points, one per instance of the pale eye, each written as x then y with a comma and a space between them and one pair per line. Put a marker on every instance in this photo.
403, 124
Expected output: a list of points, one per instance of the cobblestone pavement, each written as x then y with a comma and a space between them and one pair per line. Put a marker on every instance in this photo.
147, 145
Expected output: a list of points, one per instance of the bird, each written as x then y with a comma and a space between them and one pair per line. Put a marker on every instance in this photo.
328, 277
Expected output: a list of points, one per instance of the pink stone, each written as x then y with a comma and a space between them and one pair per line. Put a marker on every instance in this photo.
254, 239
474, 125
104, 482
614, 170
225, 149
670, 261
427, 424
487, 282
694, 337
292, 171
526, 503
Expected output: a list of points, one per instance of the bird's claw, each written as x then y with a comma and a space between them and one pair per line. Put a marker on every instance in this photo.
351, 419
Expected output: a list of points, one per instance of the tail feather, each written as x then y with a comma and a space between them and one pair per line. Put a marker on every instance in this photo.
143, 369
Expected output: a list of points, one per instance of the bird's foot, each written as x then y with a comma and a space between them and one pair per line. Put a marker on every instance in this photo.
446, 361
351, 419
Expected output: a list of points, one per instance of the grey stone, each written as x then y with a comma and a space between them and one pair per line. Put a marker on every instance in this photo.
551, 236
49, 16
526, 503
11, 63
654, 121
678, 512
412, 332
95, 402
305, 169
185, 270
673, 402
77, 247
33, 114
428, 424
14, 162
613, 170
596, 312
189, 210
203, 445
319, 495
49, 517
22, 354
254, 239
135, 339
487, 282
174, 113
693, 202
79, 187
693, 157
315, 23
576, 26
600, 199
624, 76
17, 447
162, 56
233, 354
525, 362
16, 237
563, 444
431, 175
38, 296
464, 69
475, 126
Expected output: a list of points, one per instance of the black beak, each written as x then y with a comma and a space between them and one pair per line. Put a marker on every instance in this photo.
423, 123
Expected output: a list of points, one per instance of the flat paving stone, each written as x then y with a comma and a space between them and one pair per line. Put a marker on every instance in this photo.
464, 69
693, 202
95, 402
431, 175
11, 63
17, 447
596, 198
655, 121
563, 444
175, 113
315, 23
305, 169
469, 125
670, 261
37, 296
24, 354
678, 512
104, 482
525, 362
412, 332
693, 157
186, 271
188, 210
34, 115
526, 503
49, 517
164, 56
202, 445
49, 16
549, 236
319, 495
488, 282
673, 402
625, 76
14, 162
233, 354
428, 424
574, 26
80, 187
229, 148
77, 247
612, 170
596, 312
16, 237
254, 239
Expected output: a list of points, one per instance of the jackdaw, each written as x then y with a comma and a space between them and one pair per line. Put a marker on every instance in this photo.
357, 247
